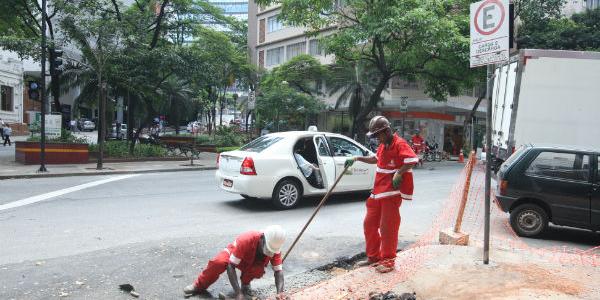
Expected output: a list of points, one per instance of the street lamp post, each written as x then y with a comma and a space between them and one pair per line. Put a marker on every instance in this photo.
43, 93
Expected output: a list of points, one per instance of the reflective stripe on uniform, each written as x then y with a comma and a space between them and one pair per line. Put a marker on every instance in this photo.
234, 260
411, 160
390, 171
392, 193
385, 194
386, 171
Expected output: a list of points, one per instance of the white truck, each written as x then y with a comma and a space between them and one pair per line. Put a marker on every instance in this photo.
546, 97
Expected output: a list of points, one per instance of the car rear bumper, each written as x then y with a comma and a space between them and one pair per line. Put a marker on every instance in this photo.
505, 202
251, 185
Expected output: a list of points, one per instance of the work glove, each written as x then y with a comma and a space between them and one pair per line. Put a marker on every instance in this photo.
396, 180
349, 162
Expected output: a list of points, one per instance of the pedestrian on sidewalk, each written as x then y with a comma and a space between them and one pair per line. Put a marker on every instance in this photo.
250, 253
73, 125
393, 183
2, 128
7, 131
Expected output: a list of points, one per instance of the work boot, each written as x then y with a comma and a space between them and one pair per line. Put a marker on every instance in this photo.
384, 268
365, 263
191, 290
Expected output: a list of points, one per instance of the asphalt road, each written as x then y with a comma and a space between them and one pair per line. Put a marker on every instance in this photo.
83, 236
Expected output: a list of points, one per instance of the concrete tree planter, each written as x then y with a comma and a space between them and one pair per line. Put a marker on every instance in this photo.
28, 153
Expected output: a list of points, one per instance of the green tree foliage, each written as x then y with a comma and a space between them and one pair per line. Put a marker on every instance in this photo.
289, 92
580, 32
425, 40
353, 83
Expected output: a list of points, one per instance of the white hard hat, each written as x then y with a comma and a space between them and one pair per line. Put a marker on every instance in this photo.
274, 238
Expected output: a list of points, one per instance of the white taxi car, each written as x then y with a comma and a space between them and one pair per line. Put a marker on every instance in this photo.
267, 168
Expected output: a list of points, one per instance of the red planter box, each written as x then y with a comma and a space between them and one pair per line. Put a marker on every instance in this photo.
56, 153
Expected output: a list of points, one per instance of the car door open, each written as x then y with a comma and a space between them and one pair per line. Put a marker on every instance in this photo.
326, 162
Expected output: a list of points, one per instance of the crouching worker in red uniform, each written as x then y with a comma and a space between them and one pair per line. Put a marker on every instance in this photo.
250, 253
393, 183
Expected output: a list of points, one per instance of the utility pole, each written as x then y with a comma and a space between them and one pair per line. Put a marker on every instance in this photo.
43, 93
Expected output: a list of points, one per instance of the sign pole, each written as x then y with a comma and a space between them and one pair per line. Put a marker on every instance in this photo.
488, 165
490, 37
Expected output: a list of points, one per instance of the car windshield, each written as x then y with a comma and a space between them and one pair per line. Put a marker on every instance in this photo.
514, 157
260, 143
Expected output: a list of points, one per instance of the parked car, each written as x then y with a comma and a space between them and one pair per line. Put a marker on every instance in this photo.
267, 169
538, 185
89, 126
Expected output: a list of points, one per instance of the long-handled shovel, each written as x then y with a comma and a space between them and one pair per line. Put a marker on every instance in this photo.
315, 212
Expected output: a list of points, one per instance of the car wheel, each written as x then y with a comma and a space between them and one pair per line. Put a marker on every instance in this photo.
286, 194
529, 220
247, 197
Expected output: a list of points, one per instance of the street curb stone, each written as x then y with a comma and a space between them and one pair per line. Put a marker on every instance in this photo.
30, 176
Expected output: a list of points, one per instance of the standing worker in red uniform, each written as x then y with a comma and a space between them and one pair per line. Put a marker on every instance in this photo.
250, 253
393, 183
418, 141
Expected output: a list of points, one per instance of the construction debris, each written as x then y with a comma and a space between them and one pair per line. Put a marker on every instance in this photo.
128, 288
450, 237
392, 296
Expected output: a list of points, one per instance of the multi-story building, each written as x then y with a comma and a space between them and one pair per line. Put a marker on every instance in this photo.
233, 8
574, 6
272, 43
592, 4
577, 6
11, 89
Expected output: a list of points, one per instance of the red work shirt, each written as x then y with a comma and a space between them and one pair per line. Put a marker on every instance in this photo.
389, 160
243, 253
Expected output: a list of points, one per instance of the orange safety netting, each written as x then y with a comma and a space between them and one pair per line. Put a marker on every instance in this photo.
357, 284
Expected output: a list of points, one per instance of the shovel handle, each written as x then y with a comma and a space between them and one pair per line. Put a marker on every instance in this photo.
315, 212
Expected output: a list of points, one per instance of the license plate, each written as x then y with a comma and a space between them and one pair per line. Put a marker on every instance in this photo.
227, 183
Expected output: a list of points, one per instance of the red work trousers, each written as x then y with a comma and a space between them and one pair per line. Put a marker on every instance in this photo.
381, 226
218, 265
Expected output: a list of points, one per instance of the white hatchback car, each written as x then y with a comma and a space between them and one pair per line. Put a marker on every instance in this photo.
267, 168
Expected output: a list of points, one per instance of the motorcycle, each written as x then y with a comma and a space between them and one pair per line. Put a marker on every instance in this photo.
432, 153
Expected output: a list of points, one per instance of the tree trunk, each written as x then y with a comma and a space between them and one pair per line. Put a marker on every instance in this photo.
373, 100
214, 116
102, 125
130, 114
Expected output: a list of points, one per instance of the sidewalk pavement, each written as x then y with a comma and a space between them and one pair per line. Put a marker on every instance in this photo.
456, 272
9, 168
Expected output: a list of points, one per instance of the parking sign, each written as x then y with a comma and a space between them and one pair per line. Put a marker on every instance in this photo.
489, 32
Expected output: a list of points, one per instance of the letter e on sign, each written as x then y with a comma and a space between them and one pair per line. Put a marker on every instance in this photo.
489, 32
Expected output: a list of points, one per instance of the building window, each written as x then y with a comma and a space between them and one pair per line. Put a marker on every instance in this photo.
261, 31
314, 48
261, 58
274, 24
6, 98
294, 50
274, 56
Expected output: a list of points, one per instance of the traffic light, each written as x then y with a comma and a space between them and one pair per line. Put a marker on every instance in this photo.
33, 90
55, 61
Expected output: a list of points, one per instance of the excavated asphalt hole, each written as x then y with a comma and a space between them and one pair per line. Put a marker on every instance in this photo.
343, 262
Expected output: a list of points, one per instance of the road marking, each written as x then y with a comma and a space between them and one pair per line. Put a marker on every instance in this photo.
43, 197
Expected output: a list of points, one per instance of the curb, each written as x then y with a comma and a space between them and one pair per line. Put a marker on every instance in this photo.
48, 175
